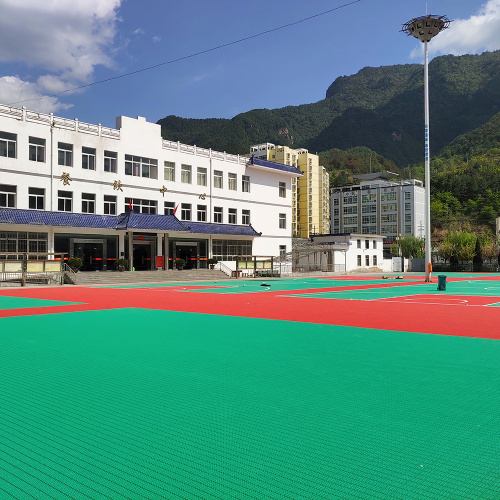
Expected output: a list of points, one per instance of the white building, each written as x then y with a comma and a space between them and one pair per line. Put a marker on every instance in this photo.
378, 205
64, 183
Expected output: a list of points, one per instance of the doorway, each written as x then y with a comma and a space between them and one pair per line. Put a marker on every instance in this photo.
92, 252
143, 252
188, 252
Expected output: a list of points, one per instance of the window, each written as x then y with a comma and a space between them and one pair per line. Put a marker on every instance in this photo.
110, 161
22, 241
389, 218
186, 174
88, 158
8, 196
201, 213
141, 206
407, 195
282, 221
88, 203
169, 207
109, 205
202, 176
408, 228
169, 171
374, 260
359, 260
245, 183
64, 201
389, 207
8, 144
367, 244
282, 189
367, 198
407, 206
185, 211
374, 245
141, 167
369, 219
245, 217
36, 149
351, 210
359, 243
218, 179
232, 179
36, 198
218, 214
65, 154
369, 209
335, 202
282, 251
407, 217
232, 216
367, 260
350, 199
351, 220
230, 249
388, 196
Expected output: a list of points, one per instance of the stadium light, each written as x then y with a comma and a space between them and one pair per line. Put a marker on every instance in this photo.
425, 28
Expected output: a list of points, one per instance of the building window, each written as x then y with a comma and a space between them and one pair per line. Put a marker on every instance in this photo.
282, 189
245, 183
202, 176
374, 245
186, 175
64, 201
282, 251
374, 260
8, 144
232, 216
110, 161
36, 198
88, 203
218, 179
169, 207
88, 158
231, 249
65, 154
407, 206
185, 211
367, 244
359, 243
218, 214
141, 206
141, 167
407, 217
169, 171
109, 204
232, 180
367, 260
359, 260
7, 196
408, 229
201, 213
282, 221
353, 210
36, 149
407, 195
13, 241
245, 217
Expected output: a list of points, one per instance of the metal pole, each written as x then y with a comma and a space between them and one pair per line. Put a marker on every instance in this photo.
427, 168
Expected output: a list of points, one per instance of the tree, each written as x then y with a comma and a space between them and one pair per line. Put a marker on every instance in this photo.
489, 249
446, 249
412, 247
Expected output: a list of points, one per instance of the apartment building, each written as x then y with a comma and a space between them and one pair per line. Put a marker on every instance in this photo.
379, 205
101, 193
310, 193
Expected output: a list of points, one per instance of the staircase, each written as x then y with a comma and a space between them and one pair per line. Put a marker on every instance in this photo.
90, 278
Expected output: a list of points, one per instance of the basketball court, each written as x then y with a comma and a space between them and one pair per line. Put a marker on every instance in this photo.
306, 388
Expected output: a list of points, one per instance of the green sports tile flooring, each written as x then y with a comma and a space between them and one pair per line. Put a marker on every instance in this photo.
146, 404
7, 302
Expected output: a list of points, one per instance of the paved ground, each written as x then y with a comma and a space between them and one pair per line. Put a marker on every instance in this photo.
348, 388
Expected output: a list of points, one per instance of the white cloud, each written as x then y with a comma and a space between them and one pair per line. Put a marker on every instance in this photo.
13, 89
138, 31
66, 39
469, 36
156, 39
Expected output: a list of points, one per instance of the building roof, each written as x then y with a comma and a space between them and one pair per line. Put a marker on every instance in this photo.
273, 164
58, 219
123, 222
376, 175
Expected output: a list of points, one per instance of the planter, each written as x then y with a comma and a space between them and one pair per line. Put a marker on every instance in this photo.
121, 269
212, 266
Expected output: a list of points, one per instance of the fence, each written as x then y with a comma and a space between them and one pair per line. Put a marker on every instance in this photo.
22, 271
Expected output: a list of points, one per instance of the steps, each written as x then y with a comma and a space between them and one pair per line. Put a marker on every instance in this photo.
136, 277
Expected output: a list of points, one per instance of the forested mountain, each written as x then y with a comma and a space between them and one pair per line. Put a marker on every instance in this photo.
380, 108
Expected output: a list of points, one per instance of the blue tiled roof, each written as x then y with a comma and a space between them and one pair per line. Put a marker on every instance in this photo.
129, 221
65, 219
232, 229
272, 164
133, 220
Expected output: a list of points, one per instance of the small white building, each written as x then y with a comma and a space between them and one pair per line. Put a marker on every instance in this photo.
101, 194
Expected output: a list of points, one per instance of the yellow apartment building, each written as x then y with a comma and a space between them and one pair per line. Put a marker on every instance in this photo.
310, 193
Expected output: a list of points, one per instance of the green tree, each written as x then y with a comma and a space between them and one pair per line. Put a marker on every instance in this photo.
412, 247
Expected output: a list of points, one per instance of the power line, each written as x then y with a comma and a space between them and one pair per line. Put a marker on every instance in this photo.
172, 61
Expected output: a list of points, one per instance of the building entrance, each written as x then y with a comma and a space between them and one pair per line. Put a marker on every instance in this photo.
143, 255
92, 252
188, 252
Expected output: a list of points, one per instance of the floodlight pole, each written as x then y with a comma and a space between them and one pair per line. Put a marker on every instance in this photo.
427, 169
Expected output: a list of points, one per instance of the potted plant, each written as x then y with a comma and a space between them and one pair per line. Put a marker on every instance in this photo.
179, 264
75, 263
121, 264
211, 262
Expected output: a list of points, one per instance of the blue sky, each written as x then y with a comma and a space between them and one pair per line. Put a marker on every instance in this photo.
55, 45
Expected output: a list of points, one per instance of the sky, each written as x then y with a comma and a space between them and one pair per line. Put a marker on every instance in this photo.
49, 48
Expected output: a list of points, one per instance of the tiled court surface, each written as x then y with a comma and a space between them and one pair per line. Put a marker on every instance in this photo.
132, 393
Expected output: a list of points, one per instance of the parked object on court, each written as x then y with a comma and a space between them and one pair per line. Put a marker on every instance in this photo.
441, 282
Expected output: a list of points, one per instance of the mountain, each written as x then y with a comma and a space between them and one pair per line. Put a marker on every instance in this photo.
380, 108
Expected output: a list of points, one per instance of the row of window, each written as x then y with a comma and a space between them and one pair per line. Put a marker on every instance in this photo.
367, 260
367, 244
136, 166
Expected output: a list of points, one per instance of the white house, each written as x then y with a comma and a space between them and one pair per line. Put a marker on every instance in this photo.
101, 194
